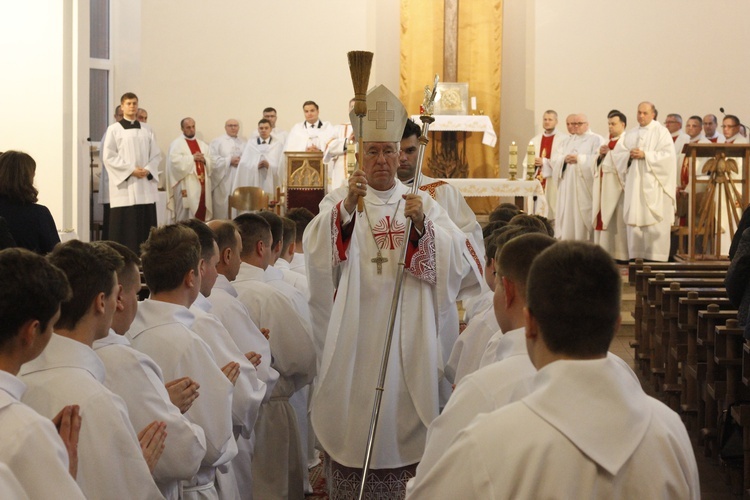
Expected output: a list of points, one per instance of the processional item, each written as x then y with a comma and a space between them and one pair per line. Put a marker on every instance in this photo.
360, 63
530, 159
513, 161
426, 117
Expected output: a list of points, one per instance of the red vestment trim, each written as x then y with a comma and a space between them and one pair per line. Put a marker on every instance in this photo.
431, 188
200, 172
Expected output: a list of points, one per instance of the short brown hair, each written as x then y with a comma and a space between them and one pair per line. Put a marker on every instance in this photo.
169, 253
226, 236
17, 171
90, 271
32, 290
573, 292
128, 95
206, 236
129, 258
302, 217
253, 228
290, 233
516, 255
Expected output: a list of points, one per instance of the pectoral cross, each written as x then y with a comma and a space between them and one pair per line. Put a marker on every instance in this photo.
379, 260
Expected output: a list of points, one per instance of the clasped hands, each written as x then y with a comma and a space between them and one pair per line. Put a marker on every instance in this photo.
358, 187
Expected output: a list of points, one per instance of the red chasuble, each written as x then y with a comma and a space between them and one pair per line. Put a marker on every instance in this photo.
200, 171
713, 140
599, 223
545, 149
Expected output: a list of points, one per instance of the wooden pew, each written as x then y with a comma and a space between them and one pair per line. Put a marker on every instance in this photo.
714, 387
639, 264
675, 342
647, 283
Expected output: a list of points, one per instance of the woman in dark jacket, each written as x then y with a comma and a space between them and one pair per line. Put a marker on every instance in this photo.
30, 224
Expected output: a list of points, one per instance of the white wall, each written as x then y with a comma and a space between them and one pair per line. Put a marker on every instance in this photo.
688, 57
41, 94
215, 63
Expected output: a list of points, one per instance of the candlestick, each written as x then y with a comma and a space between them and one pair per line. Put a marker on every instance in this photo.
530, 158
513, 161
473, 103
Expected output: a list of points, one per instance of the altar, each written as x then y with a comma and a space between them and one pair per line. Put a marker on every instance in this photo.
535, 202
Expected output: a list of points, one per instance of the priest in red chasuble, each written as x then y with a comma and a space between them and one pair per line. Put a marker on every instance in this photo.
188, 176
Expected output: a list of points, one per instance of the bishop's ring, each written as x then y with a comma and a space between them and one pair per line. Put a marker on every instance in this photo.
359, 184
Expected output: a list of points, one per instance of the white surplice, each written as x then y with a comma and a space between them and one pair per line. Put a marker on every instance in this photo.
162, 331
476, 304
304, 135
343, 398
298, 264
268, 179
236, 319
222, 149
297, 280
248, 394
31, 447
181, 175
138, 380
469, 348
334, 155
586, 429
680, 139
123, 150
485, 390
277, 468
649, 198
575, 182
110, 461
608, 200
10, 487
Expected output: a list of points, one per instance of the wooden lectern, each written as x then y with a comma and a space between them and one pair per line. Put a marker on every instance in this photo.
719, 189
305, 180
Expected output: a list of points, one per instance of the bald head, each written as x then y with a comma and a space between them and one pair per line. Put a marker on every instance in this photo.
232, 127
646, 113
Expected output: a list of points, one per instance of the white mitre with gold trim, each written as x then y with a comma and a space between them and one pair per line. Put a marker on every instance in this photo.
385, 119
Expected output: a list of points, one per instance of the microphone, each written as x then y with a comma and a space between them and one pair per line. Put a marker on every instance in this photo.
722, 111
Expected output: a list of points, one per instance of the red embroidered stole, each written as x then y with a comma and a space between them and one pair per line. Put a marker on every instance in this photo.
200, 171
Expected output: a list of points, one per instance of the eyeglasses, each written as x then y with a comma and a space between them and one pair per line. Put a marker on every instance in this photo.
577, 124
387, 153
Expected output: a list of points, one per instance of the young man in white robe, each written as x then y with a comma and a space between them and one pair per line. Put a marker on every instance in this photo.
710, 125
162, 330
284, 262
277, 468
312, 134
646, 158
42, 461
236, 319
103, 194
225, 152
509, 378
112, 458
472, 341
544, 144
573, 169
262, 164
609, 224
249, 390
138, 380
301, 217
334, 153
586, 428
188, 174
131, 158
356, 253
277, 133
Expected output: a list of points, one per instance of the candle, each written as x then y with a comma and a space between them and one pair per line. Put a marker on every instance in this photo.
473, 103
513, 161
530, 157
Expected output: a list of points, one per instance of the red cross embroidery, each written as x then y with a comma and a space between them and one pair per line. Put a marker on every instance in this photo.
387, 237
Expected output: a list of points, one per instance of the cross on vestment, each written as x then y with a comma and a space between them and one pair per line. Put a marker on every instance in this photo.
381, 115
379, 260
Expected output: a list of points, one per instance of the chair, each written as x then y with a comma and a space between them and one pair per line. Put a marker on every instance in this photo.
247, 199
305, 182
